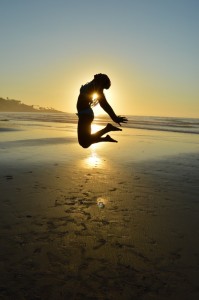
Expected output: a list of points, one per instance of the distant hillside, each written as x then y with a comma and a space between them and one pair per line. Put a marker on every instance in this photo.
11, 105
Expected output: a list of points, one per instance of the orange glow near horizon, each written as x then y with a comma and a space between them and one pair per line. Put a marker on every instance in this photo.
148, 76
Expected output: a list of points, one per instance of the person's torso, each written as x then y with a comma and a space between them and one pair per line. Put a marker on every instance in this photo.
85, 99
88, 89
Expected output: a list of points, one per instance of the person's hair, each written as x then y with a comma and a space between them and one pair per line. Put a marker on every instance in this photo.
103, 80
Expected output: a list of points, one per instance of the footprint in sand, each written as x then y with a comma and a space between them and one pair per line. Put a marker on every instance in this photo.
113, 190
9, 177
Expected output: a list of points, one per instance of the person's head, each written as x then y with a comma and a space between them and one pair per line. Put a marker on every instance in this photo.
102, 80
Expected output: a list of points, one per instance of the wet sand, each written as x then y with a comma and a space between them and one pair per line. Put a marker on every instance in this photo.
109, 222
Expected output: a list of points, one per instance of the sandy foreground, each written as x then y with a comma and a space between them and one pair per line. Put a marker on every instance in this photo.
115, 221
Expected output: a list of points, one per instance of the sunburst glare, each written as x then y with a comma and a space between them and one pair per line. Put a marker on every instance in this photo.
95, 96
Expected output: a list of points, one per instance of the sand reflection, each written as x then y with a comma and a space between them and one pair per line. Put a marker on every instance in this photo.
93, 159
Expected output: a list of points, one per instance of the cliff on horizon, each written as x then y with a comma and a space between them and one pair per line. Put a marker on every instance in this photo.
11, 105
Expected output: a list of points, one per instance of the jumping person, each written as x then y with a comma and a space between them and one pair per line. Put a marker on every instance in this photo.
85, 113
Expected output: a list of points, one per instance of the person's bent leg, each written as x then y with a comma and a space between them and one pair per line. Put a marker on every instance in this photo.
109, 127
85, 137
84, 132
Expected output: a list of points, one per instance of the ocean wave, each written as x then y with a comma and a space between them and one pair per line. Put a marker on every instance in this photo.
171, 124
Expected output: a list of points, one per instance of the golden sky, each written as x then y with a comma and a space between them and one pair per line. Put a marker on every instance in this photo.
149, 49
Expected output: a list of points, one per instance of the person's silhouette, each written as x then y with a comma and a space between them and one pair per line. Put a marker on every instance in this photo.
85, 113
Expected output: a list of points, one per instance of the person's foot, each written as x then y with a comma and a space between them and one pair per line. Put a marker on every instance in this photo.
109, 139
110, 127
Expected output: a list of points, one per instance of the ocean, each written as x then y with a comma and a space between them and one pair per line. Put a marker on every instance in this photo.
170, 124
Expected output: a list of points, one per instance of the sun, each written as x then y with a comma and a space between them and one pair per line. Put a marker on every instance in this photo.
95, 96
96, 107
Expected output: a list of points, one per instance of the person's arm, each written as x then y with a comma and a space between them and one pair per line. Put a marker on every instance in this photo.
108, 109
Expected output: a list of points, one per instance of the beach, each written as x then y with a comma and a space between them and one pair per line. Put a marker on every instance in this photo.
114, 221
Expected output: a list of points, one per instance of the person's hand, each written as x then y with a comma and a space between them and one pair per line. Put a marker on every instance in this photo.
120, 119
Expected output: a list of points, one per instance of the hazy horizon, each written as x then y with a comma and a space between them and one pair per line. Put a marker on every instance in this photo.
149, 49
97, 110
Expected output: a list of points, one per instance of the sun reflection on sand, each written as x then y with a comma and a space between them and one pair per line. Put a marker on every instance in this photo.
93, 160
